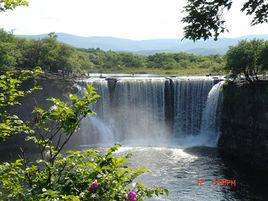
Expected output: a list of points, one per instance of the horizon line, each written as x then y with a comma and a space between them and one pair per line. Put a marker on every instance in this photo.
116, 37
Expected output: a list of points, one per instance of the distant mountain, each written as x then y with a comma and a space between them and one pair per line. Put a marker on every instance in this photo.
150, 46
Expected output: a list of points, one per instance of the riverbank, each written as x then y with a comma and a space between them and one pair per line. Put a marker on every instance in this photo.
159, 71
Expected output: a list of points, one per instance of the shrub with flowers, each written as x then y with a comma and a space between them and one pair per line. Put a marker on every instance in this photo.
132, 196
75, 175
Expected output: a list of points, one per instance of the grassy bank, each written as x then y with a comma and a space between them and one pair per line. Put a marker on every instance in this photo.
179, 72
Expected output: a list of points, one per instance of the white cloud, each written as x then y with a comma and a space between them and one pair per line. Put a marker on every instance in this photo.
134, 19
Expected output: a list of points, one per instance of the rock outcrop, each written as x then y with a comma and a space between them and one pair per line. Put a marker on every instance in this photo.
244, 124
51, 87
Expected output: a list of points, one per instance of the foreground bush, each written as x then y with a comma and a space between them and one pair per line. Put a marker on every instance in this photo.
78, 175
75, 175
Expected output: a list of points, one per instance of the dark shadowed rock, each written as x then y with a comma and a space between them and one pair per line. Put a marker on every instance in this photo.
53, 86
244, 127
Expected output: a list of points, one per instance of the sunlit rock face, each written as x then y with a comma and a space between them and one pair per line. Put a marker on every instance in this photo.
245, 124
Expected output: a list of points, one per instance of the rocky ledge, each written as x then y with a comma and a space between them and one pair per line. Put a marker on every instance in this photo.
244, 124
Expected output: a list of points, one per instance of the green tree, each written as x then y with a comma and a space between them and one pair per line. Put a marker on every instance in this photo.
49, 53
131, 60
245, 59
160, 60
6, 36
205, 18
53, 55
80, 61
31, 52
263, 60
9, 53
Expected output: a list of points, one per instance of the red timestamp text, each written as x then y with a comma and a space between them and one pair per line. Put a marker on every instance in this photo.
217, 182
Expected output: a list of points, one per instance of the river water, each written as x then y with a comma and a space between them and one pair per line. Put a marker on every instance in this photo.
171, 126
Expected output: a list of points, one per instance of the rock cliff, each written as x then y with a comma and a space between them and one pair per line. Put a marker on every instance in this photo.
52, 87
244, 124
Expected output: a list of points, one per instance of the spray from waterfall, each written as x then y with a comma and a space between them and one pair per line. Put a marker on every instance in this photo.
153, 111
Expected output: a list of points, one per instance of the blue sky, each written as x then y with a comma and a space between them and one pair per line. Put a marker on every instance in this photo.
132, 19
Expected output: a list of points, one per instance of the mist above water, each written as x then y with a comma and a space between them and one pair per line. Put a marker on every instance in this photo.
153, 111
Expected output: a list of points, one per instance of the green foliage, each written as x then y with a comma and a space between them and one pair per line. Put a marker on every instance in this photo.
56, 57
48, 53
60, 122
205, 18
247, 58
10, 92
263, 57
11, 4
258, 9
114, 61
9, 53
71, 176
81, 62
184, 61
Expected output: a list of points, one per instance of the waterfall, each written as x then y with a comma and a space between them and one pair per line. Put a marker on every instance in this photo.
190, 98
150, 110
209, 126
138, 109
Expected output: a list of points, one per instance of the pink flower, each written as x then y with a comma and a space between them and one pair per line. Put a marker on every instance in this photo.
94, 185
132, 196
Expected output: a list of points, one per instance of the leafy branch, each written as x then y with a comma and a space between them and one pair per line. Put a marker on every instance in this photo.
11, 91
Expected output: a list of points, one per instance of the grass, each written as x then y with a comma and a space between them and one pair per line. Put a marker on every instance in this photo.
179, 72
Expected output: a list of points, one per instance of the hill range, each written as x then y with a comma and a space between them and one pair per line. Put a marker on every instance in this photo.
148, 47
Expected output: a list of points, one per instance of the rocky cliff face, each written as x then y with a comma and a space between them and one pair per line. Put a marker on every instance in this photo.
244, 126
52, 87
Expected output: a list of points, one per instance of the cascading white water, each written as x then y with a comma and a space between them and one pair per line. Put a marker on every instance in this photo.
209, 128
190, 96
150, 110
138, 109
132, 110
